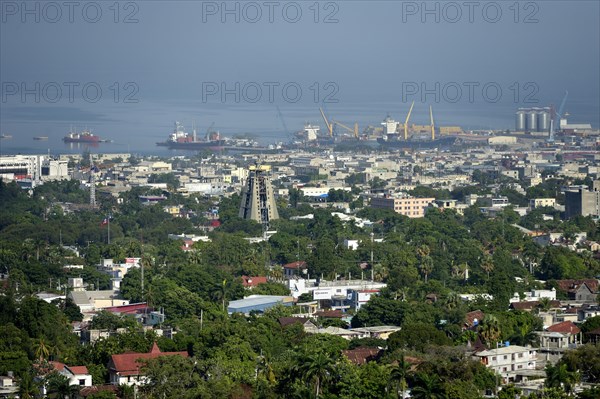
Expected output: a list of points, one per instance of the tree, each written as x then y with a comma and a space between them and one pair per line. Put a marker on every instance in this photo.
489, 330
427, 386
27, 387
316, 368
487, 265
59, 386
398, 376
558, 376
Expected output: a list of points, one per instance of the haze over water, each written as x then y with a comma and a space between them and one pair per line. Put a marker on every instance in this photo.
374, 51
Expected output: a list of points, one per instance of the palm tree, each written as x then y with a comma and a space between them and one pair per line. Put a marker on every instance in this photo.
59, 387
426, 266
317, 368
423, 251
544, 304
42, 351
558, 376
398, 375
489, 330
487, 265
27, 387
452, 301
427, 387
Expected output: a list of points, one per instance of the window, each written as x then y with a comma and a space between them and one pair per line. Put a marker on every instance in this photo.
81, 382
505, 357
493, 357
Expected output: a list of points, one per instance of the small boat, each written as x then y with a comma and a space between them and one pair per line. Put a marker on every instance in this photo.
40, 138
5, 136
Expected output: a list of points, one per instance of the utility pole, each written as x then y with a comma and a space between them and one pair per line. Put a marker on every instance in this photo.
372, 265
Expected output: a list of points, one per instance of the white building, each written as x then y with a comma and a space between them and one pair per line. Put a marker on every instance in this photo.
509, 361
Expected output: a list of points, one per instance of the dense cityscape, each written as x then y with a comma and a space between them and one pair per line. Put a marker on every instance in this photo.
317, 199
329, 267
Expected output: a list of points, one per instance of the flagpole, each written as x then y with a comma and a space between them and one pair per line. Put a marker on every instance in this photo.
108, 219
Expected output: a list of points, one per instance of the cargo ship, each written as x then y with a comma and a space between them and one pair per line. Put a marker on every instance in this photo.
181, 140
84, 136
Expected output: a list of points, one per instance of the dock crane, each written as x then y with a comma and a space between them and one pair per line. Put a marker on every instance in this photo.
406, 121
354, 130
557, 116
285, 128
432, 124
329, 125
208, 130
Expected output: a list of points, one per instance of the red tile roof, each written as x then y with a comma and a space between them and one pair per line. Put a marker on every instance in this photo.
129, 363
566, 327
472, 316
571, 286
363, 355
78, 369
295, 265
253, 281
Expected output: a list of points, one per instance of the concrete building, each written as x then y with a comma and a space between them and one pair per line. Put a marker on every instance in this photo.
258, 303
258, 201
509, 361
581, 201
411, 207
542, 202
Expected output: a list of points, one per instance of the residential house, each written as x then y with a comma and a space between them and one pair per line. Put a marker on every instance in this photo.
585, 290
307, 324
363, 355
77, 375
510, 362
557, 339
294, 270
251, 282
125, 368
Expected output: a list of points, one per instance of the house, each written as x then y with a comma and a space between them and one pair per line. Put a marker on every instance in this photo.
593, 336
8, 387
510, 362
294, 269
251, 282
363, 355
528, 306
557, 339
472, 319
342, 332
580, 290
380, 332
307, 324
77, 375
125, 368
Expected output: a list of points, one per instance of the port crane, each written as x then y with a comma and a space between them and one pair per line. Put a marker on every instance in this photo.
329, 125
432, 124
556, 116
406, 121
285, 128
354, 130
208, 131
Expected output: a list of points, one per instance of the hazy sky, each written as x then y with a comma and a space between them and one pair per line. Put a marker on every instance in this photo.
369, 52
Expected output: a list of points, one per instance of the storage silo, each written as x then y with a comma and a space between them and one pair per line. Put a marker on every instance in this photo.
543, 120
532, 120
520, 125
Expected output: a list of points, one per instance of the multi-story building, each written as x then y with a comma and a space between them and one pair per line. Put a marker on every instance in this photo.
258, 201
509, 361
411, 207
581, 201
542, 202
